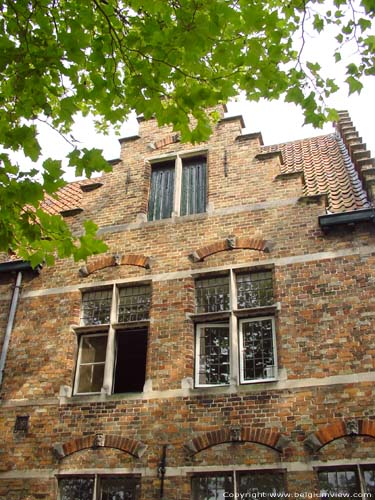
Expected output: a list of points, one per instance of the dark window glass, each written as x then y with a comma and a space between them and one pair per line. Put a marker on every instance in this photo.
254, 289
76, 488
162, 188
130, 369
261, 484
212, 487
257, 344
369, 478
118, 488
335, 484
134, 303
193, 195
96, 307
212, 294
213, 354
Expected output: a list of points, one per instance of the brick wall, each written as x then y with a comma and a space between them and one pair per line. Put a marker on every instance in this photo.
325, 296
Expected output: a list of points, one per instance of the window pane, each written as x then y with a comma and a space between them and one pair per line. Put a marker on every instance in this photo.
212, 487
261, 484
333, 484
258, 356
193, 195
212, 294
76, 488
213, 356
96, 307
161, 194
93, 348
134, 303
91, 378
118, 488
369, 478
254, 289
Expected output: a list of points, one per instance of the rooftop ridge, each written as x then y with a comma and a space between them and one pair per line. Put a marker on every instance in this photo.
360, 156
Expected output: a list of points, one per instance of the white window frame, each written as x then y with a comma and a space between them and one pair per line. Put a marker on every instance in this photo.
108, 330
200, 327
242, 350
177, 189
234, 322
79, 364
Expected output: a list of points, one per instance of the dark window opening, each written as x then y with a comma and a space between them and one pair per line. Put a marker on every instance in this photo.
130, 371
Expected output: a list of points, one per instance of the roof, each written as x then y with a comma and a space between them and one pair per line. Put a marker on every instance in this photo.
325, 162
327, 168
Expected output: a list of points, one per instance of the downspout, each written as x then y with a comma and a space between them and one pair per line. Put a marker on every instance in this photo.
9, 328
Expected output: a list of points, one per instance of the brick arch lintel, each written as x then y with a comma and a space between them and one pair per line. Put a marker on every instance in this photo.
267, 437
115, 260
132, 446
231, 243
336, 430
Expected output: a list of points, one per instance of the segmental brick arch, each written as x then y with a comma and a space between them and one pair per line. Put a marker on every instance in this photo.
336, 430
267, 437
231, 243
131, 446
115, 260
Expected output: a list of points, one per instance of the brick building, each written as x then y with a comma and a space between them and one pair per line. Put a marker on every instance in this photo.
223, 345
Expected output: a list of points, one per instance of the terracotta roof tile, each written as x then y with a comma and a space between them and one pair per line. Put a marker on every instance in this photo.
327, 168
67, 198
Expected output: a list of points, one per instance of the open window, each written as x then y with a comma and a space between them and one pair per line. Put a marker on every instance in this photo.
113, 340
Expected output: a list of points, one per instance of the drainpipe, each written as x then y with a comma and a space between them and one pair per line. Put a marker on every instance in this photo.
9, 328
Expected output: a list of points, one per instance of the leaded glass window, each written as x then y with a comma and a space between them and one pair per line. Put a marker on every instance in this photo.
213, 354
134, 303
257, 348
96, 307
212, 294
254, 289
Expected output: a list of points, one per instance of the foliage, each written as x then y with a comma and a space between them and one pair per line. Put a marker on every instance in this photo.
168, 58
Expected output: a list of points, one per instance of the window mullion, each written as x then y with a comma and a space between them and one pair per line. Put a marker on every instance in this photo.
95, 495
235, 484
233, 333
111, 346
177, 186
361, 481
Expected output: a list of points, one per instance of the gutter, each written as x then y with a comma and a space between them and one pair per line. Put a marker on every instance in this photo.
354, 217
13, 266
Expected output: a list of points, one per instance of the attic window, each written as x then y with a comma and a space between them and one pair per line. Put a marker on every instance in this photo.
71, 212
86, 188
178, 187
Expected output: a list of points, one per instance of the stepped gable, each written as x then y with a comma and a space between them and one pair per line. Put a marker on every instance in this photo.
327, 168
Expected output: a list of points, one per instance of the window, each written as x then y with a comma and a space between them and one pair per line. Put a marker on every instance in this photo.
347, 481
236, 309
113, 340
99, 488
178, 187
257, 484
